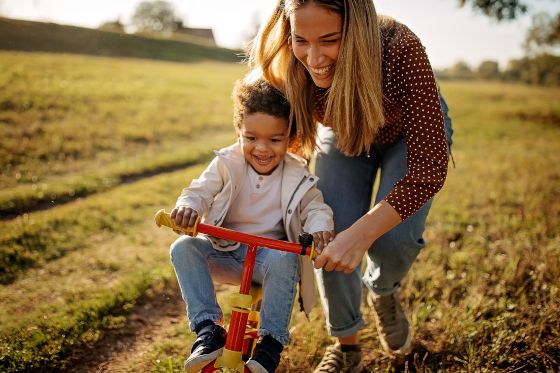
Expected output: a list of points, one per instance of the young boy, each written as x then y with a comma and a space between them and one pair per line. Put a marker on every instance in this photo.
253, 186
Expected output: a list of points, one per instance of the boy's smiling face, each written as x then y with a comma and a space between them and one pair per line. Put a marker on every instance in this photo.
264, 141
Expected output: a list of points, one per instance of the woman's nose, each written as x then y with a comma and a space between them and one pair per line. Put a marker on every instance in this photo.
314, 56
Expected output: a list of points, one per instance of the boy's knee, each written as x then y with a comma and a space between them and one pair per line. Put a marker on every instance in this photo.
180, 246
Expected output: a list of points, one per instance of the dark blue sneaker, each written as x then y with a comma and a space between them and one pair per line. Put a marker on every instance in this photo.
209, 344
266, 356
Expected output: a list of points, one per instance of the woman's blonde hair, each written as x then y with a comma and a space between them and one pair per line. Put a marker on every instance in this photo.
354, 106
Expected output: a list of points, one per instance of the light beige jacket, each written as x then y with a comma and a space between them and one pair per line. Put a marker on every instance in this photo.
302, 203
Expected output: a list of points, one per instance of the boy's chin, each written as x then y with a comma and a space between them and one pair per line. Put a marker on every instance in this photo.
267, 170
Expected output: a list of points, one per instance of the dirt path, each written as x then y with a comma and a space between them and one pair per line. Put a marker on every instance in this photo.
123, 350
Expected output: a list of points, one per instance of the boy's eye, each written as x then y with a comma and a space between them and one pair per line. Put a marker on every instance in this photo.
249, 138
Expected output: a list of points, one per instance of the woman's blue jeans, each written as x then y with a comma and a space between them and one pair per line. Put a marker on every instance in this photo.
347, 186
197, 263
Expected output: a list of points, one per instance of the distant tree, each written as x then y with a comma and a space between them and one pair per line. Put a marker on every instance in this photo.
517, 70
115, 26
461, 70
499, 9
545, 70
154, 17
543, 35
488, 70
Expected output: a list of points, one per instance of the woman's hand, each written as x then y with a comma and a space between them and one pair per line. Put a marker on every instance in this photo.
322, 239
184, 216
346, 251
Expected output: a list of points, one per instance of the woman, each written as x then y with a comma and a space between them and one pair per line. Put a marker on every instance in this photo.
368, 80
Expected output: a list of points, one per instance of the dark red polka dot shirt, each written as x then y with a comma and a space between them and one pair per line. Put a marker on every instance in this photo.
413, 111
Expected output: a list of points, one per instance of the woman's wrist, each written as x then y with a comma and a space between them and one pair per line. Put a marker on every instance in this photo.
378, 221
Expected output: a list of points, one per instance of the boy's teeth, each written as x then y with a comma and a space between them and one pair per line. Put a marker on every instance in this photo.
262, 160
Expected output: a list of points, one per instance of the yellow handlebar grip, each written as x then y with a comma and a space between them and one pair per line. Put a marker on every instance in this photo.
313, 253
163, 218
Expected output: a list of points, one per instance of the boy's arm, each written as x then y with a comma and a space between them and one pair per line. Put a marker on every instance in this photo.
201, 192
316, 215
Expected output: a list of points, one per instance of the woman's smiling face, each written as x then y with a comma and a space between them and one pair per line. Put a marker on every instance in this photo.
316, 34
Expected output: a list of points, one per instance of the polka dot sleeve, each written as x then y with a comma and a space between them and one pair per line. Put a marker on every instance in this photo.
413, 90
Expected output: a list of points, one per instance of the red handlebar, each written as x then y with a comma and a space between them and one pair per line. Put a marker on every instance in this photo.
163, 218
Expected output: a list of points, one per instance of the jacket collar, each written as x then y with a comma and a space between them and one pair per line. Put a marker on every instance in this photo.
293, 176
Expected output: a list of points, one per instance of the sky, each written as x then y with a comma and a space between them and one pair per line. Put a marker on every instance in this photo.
449, 33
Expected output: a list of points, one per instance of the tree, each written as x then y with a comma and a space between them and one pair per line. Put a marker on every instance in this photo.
545, 70
543, 35
499, 9
461, 70
488, 70
154, 17
517, 70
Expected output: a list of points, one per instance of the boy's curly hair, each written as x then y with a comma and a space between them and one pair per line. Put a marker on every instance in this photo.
259, 96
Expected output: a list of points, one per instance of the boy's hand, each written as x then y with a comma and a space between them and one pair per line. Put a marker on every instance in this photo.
184, 216
322, 239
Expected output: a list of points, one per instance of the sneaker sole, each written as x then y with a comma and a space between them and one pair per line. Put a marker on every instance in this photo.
403, 350
255, 367
195, 365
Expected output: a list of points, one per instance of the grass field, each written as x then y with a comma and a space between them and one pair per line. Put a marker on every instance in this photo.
125, 135
54, 38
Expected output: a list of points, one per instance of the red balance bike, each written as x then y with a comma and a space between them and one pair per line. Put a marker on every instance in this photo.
242, 330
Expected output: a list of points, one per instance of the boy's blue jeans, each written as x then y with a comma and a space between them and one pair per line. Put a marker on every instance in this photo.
196, 263
347, 186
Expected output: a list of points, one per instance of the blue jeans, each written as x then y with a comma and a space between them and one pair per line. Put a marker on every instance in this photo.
197, 263
347, 186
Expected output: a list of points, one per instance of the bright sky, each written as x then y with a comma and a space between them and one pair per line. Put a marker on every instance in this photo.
449, 33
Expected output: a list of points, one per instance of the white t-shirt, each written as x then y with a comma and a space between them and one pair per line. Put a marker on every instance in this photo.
257, 209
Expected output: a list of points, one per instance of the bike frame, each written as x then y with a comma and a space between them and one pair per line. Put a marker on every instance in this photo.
241, 303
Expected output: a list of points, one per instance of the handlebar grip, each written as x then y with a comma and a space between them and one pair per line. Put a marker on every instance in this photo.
163, 218
306, 240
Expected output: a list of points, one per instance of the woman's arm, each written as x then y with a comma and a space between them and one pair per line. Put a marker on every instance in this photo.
347, 250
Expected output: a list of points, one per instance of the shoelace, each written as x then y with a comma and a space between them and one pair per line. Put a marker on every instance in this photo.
386, 309
333, 360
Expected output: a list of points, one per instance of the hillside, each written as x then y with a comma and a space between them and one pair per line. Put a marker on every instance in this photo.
49, 37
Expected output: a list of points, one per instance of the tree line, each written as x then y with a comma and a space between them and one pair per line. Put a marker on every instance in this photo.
540, 65
542, 69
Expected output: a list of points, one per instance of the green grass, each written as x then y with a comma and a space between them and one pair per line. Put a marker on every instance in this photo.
113, 255
53, 38
75, 125
483, 295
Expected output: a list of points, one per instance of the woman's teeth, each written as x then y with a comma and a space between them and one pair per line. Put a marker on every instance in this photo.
321, 70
